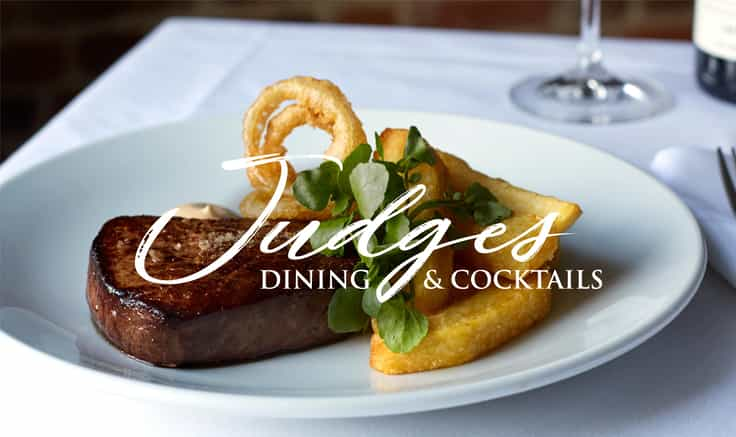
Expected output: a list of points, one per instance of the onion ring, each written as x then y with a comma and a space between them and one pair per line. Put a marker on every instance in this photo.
320, 104
279, 127
288, 207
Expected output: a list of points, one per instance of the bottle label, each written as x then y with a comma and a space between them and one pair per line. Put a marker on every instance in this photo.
714, 29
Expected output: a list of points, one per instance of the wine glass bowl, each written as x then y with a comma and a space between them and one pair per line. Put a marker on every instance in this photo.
591, 100
589, 93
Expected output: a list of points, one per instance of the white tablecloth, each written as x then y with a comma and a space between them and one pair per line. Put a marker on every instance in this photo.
681, 382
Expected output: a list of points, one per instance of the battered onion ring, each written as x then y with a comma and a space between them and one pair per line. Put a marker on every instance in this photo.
320, 104
288, 207
279, 127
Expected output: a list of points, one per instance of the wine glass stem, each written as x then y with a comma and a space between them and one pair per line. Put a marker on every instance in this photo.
589, 52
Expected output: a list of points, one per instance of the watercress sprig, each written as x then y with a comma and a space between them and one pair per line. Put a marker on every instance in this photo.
476, 202
364, 186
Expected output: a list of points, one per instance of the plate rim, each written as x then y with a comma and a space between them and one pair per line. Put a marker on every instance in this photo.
375, 404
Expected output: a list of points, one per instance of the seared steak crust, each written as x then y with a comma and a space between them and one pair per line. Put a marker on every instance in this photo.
224, 317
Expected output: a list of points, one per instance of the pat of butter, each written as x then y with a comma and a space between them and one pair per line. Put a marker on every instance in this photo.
204, 211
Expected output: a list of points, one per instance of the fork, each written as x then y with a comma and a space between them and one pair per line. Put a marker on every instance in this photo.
728, 183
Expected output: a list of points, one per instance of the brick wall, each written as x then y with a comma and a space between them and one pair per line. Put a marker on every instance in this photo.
51, 50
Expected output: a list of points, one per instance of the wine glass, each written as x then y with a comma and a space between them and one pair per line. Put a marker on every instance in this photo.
589, 93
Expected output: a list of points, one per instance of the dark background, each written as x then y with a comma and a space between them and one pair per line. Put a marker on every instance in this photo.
51, 50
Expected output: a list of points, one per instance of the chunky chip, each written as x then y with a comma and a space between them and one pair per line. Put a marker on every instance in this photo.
528, 208
502, 261
521, 201
466, 330
434, 177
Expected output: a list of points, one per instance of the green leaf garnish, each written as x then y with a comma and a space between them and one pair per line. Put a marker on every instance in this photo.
370, 302
486, 209
313, 188
401, 326
361, 154
345, 312
431, 204
490, 212
372, 243
372, 184
396, 228
342, 202
379, 145
326, 230
395, 187
478, 193
477, 202
373, 271
417, 149
368, 182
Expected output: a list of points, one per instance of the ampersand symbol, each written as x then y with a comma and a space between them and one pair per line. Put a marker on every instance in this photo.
431, 282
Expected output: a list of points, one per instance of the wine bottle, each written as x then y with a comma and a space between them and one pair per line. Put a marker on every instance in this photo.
714, 36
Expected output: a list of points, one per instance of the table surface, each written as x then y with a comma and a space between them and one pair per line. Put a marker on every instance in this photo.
681, 382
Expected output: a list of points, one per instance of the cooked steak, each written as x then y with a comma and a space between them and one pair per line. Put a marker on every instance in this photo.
223, 317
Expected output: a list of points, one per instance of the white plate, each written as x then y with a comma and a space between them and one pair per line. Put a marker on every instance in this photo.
635, 229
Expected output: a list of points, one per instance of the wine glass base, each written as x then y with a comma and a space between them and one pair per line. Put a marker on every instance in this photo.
590, 99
